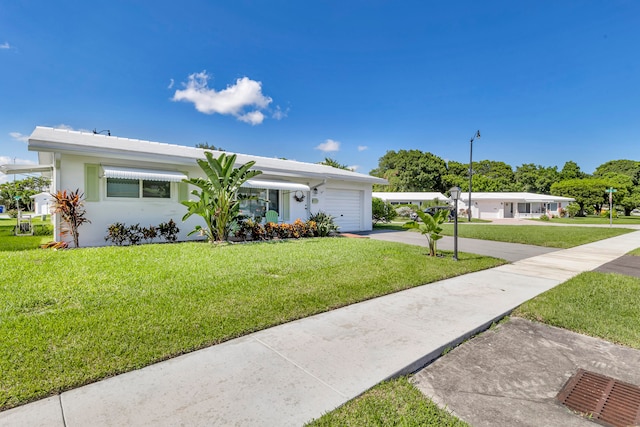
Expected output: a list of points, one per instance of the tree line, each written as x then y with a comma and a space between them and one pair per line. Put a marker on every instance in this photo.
415, 170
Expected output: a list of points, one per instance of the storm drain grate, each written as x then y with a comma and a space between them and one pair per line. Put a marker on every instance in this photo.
603, 399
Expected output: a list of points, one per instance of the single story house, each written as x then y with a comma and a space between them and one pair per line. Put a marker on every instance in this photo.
410, 198
512, 204
133, 181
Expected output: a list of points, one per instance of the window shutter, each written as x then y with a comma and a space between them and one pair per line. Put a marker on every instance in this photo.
286, 202
183, 191
91, 182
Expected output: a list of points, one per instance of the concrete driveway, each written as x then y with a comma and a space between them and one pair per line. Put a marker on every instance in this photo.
510, 251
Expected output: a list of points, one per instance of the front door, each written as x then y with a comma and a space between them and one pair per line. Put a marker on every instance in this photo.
508, 210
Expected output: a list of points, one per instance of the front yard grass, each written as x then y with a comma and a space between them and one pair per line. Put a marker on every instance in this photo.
68, 318
538, 235
596, 219
10, 242
392, 403
603, 305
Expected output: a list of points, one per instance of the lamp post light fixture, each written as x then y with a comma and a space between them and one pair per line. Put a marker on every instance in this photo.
455, 195
475, 135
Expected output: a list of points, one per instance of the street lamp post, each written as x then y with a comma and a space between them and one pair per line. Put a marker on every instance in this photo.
475, 135
455, 195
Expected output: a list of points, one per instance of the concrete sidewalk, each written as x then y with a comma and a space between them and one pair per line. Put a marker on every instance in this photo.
292, 373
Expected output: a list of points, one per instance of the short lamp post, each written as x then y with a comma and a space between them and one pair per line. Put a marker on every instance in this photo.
455, 195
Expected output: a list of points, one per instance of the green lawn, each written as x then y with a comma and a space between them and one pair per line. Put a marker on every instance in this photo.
604, 305
10, 242
75, 316
392, 403
595, 219
551, 236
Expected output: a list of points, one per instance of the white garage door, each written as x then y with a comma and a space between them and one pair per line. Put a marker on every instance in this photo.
346, 207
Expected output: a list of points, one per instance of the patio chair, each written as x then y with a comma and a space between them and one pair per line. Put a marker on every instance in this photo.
271, 216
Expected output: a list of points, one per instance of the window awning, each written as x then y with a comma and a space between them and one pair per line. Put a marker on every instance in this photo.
275, 185
147, 174
22, 169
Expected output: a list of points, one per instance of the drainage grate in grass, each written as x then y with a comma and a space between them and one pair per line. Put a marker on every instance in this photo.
603, 399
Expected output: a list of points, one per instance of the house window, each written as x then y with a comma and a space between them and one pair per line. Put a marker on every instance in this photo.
136, 188
156, 189
524, 208
263, 201
121, 187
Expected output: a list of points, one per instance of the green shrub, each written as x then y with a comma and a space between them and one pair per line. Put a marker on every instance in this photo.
381, 211
168, 231
405, 211
573, 209
42, 230
325, 223
13, 213
605, 214
119, 234
544, 217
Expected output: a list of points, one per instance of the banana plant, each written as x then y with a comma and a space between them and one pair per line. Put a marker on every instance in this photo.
430, 227
218, 195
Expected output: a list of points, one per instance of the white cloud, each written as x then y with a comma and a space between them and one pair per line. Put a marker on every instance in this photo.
362, 147
354, 167
328, 146
279, 114
19, 137
230, 101
252, 117
171, 83
5, 45
63, 126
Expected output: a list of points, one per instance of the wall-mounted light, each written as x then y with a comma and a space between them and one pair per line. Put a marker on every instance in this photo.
315, 191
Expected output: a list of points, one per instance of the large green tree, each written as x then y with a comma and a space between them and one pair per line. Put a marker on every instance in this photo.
587, 192
219, 196
411, 170
631, 168
535, 178
571, 170
488, 176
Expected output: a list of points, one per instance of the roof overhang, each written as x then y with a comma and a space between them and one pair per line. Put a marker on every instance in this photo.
275, 185
146, 174
82, 143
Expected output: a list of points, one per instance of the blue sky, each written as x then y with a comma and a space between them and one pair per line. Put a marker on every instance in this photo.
544, 81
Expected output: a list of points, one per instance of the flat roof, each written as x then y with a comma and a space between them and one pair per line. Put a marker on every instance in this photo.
47, 139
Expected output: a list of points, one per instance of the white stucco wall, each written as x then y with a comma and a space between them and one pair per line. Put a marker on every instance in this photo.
104, 212
69, 174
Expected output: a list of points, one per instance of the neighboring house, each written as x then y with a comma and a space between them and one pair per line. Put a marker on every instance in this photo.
410, 198
41, 203
133, 181
512, 205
